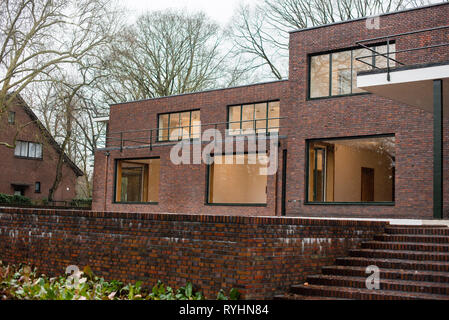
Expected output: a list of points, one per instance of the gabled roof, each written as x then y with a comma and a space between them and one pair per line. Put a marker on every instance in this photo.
47, 135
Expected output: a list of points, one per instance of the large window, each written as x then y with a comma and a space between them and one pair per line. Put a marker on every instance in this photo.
27, 149
237, 179
335, 74
351, 170
254, 118
137, 180
179, 126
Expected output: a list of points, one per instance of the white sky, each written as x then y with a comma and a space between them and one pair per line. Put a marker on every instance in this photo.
219, 10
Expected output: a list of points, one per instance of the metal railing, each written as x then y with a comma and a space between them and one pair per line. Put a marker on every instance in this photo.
391, 39
149, 138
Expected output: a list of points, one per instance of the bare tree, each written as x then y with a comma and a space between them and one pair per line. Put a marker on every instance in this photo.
261, 33
38, 36
163, 53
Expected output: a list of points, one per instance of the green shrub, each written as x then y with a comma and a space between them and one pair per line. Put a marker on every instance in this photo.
14, 199
23, 282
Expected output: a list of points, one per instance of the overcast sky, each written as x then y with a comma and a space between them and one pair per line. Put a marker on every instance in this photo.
219, 10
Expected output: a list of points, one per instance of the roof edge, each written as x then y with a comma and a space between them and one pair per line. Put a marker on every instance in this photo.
364, 18
198, 92
51, 140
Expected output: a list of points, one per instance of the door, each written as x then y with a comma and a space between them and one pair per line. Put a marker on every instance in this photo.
319, 175
367, 184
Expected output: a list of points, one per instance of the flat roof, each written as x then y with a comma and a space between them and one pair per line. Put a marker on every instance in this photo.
197, 92
364, 18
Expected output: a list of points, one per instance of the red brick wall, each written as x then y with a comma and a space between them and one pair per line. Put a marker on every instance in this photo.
183, 187
366, 115
259, 256
29, 171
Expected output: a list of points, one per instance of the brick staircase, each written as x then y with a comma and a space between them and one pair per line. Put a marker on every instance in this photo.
413, 263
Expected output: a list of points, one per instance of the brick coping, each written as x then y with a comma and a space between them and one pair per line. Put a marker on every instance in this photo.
205, 218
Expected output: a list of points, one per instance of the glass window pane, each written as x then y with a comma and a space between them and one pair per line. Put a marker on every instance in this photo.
32, 150
233, 181
196, 124
273, 112
163, 127
260, 114
24, 149
185, 125
38, 150
358, 66
341, 73
153, 180
248, 118
381, 61
175, 132
352, 170
17, 150
11, 117
234, 120
319, 76
138, 180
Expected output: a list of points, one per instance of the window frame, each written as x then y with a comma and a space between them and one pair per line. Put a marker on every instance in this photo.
114, 194
13, 115
37, 190
168, 128
208, 168
330, 52
267, 120
28, 150
359, 203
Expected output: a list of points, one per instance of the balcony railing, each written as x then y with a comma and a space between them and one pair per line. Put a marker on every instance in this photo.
149, 138
389, 54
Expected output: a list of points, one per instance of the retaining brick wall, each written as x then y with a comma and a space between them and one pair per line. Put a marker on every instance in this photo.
261, 256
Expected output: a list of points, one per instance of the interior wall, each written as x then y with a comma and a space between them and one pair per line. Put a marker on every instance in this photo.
237, 183
153, 177
348, 166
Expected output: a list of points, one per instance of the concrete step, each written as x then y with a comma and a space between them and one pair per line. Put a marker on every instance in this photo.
394, 264
361, 294
393, 274
428, 230
384, 284
412, 238
413, 246
400, 254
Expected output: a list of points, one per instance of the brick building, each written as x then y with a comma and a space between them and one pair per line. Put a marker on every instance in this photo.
30, 168
343, 149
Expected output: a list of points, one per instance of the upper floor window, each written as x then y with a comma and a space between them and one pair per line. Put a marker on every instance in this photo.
11, 117
260, 117
335, 74
28, 150
179, 125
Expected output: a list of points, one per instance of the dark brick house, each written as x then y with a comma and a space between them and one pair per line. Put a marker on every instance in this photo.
342, 150
30, 168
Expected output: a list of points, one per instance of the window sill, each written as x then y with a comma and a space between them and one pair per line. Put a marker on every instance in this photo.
150, 203
382, 203
27, 158
338, 96
236, 204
